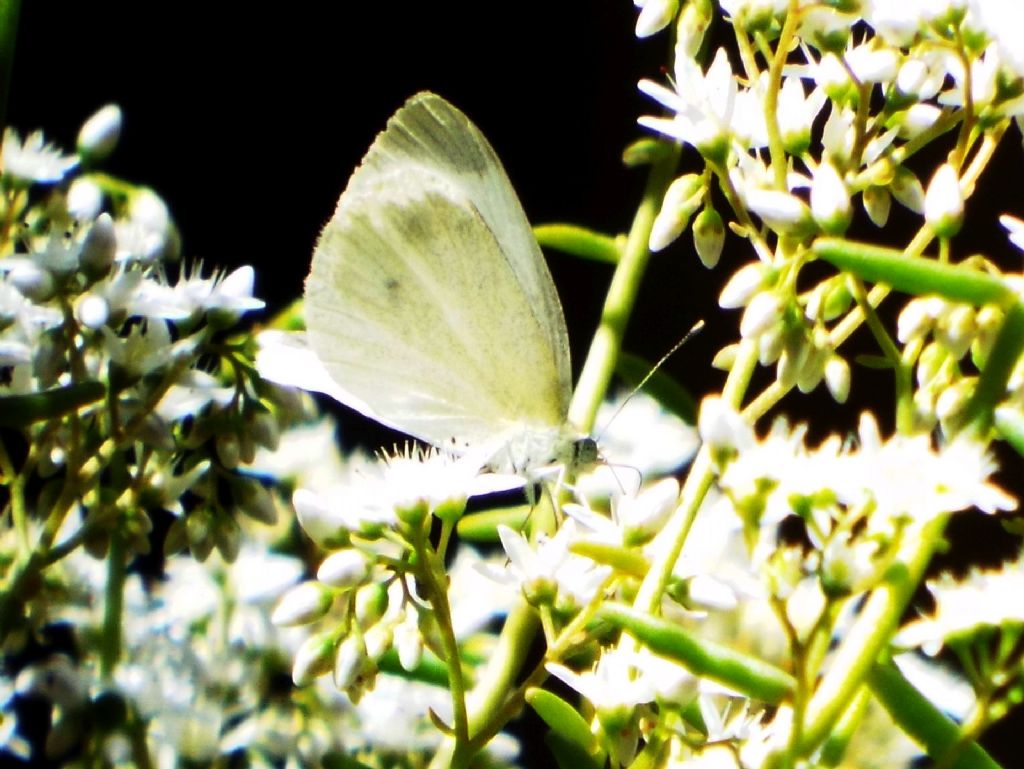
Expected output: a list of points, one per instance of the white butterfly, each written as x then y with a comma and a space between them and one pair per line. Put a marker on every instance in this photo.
429, 303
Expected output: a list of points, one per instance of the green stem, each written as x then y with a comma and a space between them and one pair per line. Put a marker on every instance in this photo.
901, 371
695, 489
920, 720
9, 12
618, 306
703, 658
431, 572
496, 680
771, 98
870, 633
999, 367
113, 606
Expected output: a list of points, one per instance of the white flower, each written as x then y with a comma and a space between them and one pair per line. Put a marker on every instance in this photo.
872, 63
1015, 229
473, 608
984, 598
191, 394
227, 293
721, 426
347, 507
614, 682
702, 103
797, 113
905, 476
34, 160
1002, 20
550, 571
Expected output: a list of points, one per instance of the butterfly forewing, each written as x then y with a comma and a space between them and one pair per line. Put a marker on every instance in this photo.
428, 300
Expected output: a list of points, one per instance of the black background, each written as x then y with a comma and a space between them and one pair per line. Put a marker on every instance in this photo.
248, 119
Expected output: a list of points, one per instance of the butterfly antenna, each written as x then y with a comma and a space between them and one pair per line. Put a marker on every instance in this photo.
661, 361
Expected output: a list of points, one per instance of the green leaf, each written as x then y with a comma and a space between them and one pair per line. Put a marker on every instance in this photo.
913, 274
662, 387
483, 526
23, 410
923, 722
431, 669
563, 719
705, 659
879, 362
581, 242
622, 559
569, 755
646, 151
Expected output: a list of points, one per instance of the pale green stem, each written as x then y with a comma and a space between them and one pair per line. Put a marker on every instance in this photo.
698, 482
497, 679
431, 571
771, 98
870, 634
618, 306
113, 606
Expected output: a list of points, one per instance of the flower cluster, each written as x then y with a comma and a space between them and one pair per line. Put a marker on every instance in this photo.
130, 409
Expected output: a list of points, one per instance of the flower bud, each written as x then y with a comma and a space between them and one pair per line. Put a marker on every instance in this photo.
302, 605
408, 642
830, 200
837, 378
351, 663
84, 199
944, 202
92, 311
655, 16
708, 236
254, 500
763, 312
99, 134
877, 203
781, 211
98, 248
692, 27
907, 189
344, 569
743, 286
33, 282
917, 119
226, 445
314, 658
371, 603
957, 329
681, 199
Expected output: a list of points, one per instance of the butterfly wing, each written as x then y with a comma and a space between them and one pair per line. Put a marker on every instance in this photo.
428, 300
